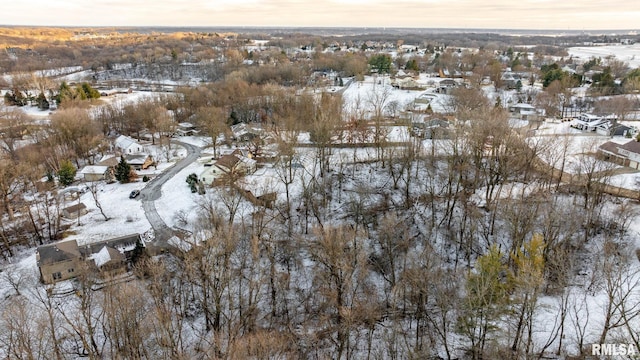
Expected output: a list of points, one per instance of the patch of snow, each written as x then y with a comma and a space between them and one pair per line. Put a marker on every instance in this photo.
101, 257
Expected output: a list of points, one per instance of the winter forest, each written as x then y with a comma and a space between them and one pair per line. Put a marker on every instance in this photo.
300, 195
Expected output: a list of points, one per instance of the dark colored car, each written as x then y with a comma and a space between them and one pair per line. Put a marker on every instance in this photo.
134, 194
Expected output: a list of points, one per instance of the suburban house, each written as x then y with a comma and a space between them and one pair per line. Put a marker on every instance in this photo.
446, 73
109, 160
524, 112
625, 154
127, 145
235, 163
589, 122
228, 163
510, 80
95, 172
139, 161
186, 129
403, 80
211, 175
58, 261
244, 132
66, 259
445, 86
607, 129
431, 129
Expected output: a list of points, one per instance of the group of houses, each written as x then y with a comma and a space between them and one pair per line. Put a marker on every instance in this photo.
67, 259
134, 153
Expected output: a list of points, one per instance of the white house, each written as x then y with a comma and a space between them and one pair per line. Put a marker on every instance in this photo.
589, 122
210, 174
128, 145
524, 111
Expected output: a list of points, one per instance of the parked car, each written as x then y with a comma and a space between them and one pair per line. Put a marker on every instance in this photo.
134, 194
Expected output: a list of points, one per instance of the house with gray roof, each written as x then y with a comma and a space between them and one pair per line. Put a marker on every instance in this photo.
66, 259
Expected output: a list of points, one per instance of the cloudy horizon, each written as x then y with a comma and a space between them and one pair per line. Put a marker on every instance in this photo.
458, 14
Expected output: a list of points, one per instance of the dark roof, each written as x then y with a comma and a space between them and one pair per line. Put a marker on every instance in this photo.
228, 161
612, 147
620, 130
123, 241
59, 252
633, 146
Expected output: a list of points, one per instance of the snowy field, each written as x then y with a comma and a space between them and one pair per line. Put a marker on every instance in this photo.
125, 215
627, 53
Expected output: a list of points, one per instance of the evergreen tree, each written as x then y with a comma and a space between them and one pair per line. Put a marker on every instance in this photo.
65, 93
90, 92
138, 252
66, 173
79, 93
123, 171
192, 180
381, 63
43, 103
412, 65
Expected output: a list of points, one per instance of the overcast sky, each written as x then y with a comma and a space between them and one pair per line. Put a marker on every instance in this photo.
494, 14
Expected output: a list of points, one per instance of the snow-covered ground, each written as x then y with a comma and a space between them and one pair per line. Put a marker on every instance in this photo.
177, 200
363, 97
627, 53
125, 215
560, 139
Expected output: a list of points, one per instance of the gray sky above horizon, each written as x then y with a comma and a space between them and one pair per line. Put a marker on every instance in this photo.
490, 14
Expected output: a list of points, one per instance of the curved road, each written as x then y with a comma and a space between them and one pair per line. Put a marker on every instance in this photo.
152, 192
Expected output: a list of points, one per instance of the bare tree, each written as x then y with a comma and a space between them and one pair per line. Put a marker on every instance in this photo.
125, 321
93, 188
618, 106
14, 127
340, 280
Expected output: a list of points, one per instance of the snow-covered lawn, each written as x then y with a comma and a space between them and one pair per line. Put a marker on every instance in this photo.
627, 53
126, 216
626, 181
560, 139
177, 198
200, 141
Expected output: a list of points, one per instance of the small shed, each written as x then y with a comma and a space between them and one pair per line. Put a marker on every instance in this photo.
74, 211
